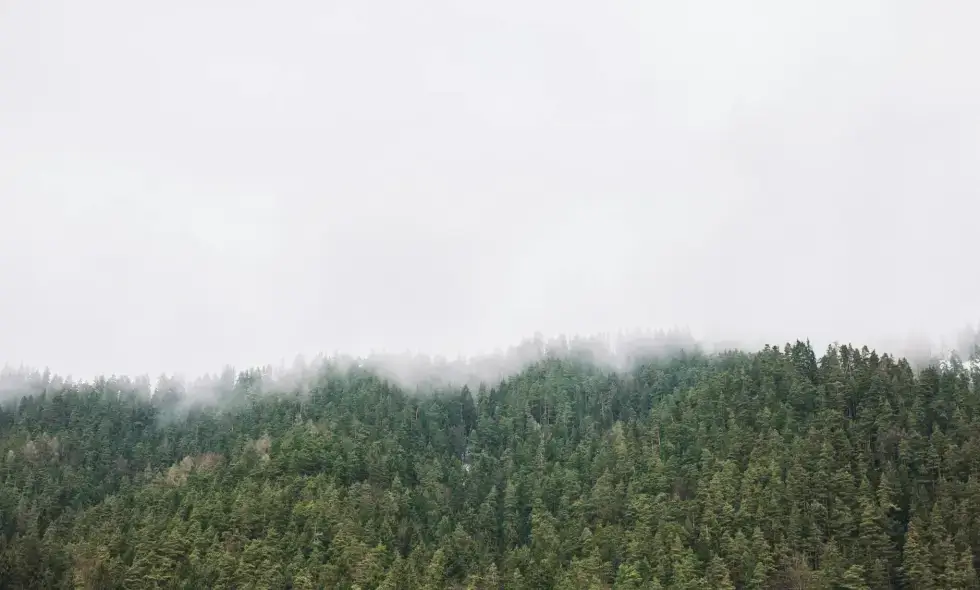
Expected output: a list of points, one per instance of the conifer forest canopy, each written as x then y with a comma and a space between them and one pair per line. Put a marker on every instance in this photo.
781, 468
186, 185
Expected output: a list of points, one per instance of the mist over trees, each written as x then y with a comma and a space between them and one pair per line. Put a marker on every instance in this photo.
411, 371
597, 463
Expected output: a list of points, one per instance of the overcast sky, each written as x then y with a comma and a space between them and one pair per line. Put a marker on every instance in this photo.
189, 184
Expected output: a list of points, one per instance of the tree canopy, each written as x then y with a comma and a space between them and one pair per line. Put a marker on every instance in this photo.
773, 469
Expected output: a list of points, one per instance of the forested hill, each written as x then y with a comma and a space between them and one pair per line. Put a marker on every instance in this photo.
777, 469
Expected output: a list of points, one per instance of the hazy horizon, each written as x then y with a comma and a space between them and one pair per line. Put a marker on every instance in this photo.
193, 185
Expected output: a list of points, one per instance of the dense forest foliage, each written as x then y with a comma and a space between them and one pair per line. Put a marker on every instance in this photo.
777, 469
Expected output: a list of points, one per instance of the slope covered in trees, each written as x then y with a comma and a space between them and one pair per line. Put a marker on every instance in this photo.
778, 469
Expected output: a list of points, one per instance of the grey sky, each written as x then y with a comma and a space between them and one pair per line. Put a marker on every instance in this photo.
188, 184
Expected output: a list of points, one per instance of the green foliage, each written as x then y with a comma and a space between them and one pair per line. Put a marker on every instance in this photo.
777, 469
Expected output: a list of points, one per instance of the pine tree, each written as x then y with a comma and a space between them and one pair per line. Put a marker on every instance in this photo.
962, 574
716, 575
853, 579
915, 561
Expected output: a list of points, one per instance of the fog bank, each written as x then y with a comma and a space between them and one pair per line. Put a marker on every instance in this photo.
189, 184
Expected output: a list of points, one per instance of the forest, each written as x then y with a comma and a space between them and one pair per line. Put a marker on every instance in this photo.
782, 468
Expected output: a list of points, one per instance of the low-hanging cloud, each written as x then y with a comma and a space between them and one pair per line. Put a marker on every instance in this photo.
194, 185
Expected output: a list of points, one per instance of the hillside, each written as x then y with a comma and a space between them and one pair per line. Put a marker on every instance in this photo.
776, 469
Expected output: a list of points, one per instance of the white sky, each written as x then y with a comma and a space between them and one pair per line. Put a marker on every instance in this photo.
189, 184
